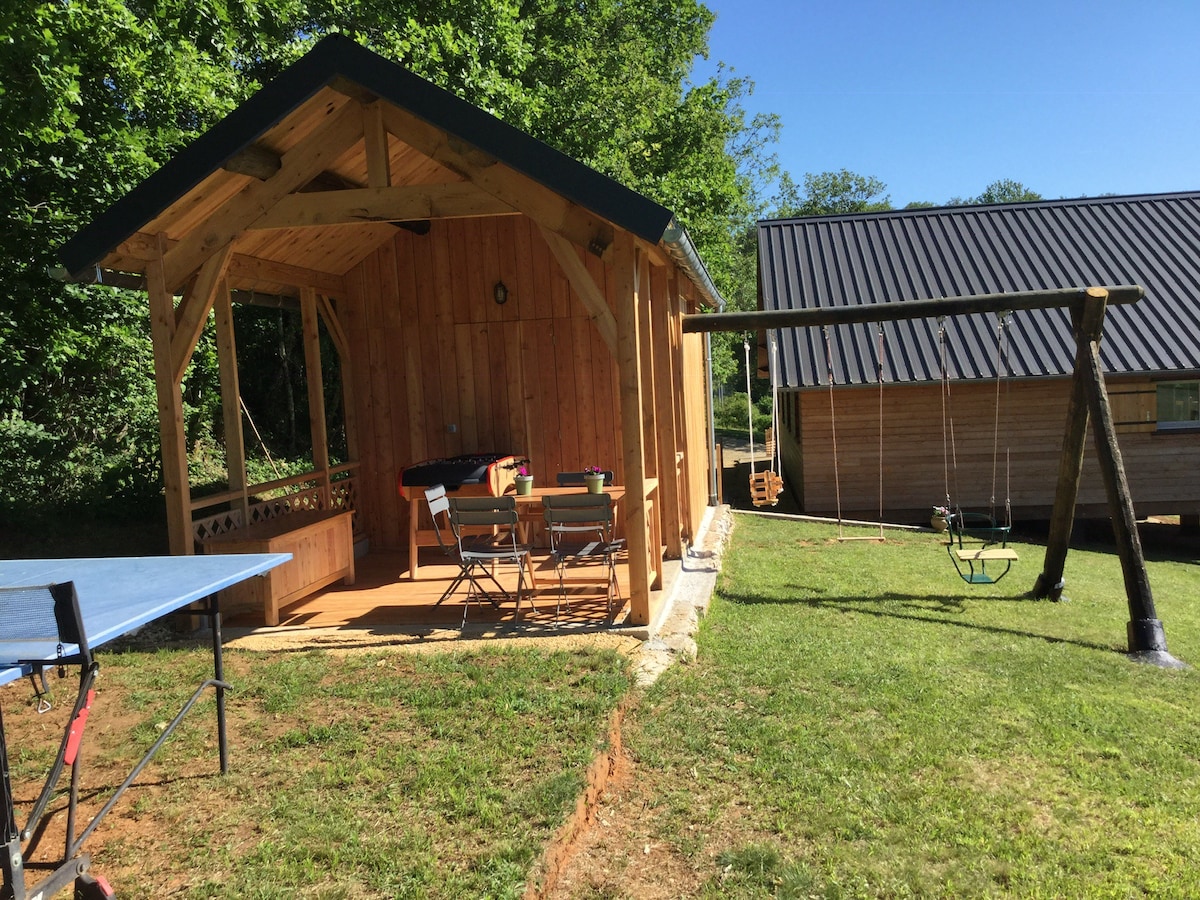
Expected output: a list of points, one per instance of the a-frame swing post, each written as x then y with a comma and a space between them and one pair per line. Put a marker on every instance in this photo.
1088, 322
1089, 397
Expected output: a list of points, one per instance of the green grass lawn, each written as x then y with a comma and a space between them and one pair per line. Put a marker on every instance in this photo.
861, 723
858, 722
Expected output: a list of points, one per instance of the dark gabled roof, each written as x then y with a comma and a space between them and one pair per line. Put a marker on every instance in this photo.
1150, 240
338, 57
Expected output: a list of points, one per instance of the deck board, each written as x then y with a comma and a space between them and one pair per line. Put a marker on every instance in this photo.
383, 596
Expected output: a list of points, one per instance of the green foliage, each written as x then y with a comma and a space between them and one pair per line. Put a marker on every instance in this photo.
838, 192
1003, 191
731, 413
94, 96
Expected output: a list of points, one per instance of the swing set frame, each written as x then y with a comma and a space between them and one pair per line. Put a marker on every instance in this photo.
1088, 404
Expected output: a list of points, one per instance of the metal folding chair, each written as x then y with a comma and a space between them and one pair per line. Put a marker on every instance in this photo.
479, 552
439, 512
581, 533
40, 628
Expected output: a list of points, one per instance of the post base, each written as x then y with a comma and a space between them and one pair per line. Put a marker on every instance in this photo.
1146, 635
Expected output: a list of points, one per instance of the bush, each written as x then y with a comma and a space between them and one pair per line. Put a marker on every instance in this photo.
729, 414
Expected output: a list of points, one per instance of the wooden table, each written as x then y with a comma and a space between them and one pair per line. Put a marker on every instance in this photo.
530, 509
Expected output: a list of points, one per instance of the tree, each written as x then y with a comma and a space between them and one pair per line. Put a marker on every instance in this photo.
94, 96
827, 193
1003, 191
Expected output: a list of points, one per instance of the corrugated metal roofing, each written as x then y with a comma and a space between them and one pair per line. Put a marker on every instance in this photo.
869, 258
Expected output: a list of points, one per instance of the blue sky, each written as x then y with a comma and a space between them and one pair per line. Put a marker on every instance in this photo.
939, 99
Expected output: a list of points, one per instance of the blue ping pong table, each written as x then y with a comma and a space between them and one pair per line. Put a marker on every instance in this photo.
116, 596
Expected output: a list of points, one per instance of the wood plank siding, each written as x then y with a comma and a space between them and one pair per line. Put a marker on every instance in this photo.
441, 369
1162, 479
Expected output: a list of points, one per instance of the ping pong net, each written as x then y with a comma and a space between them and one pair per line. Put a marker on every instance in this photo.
41, 626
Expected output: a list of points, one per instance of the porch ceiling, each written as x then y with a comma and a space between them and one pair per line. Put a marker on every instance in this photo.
320, 167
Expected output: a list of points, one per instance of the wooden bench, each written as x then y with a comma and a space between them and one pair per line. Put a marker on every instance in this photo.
322, 548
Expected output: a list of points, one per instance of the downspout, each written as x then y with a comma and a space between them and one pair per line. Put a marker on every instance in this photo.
679, 245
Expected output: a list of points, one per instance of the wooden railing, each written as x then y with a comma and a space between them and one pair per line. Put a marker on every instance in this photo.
332, 489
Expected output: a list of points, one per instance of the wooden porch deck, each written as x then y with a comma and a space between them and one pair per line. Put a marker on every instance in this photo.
384, 597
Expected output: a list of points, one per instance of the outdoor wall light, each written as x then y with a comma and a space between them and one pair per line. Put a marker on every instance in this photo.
500, 293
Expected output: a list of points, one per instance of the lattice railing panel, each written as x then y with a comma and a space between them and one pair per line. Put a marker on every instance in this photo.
343, 496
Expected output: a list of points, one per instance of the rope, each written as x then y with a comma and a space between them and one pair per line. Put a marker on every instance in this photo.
749, 409
949, 450
879, 378
837, 484
778, 457
1000, 326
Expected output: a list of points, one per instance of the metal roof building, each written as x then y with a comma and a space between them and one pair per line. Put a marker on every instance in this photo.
890, 257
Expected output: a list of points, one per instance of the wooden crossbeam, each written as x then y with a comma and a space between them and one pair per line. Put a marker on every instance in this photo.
298, 166
401, 203
547, 208
900, 310
585, 286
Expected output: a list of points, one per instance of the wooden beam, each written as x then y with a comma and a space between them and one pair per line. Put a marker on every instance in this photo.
662, 304
341, 343
375, 145
649, 417
629, 377
313, 154
243, 270
254, 161
316, 388
194, 308
547, 208
334, 326
250, 270
171, 435
585, 286
231, 396
1144, 631
1088, 326
897, 311
455, 200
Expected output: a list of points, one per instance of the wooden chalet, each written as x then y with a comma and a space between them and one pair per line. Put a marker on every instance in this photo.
485, 293
975, 437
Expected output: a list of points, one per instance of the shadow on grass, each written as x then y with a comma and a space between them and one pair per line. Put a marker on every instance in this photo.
909, 607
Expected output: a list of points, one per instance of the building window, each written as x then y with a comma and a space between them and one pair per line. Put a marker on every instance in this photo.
1178, 405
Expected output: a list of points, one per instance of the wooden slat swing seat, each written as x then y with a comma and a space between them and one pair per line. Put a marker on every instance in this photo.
975, 539
765, 486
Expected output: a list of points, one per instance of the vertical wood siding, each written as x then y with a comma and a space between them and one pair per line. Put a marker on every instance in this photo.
1161, 467
431, 349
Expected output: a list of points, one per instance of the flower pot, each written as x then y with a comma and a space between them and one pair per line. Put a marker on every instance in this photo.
938, 523
595, 483
524, 484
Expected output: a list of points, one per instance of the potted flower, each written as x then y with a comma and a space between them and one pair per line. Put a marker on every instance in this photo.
940, 520
523, 480
593, 477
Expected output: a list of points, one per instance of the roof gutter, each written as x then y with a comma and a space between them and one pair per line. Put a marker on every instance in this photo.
679, 245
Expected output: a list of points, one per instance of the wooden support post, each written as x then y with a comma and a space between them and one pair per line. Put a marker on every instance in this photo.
170, 407
666, 399
231, 394
1145, 631
629, 375
1088, 321
316, 390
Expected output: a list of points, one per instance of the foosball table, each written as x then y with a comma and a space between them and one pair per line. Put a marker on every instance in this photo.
473, 475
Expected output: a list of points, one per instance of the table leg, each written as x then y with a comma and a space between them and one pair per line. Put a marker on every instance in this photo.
214, 620
413, 562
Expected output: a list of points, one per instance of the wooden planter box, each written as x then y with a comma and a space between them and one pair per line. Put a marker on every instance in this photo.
322, 548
